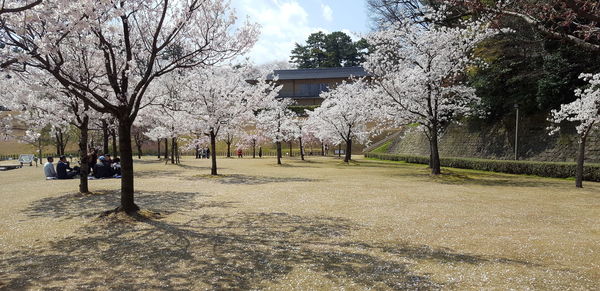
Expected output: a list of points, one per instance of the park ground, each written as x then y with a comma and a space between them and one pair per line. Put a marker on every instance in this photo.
312, 225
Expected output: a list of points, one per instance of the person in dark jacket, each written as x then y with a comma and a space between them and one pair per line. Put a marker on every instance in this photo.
64, 171
102, 169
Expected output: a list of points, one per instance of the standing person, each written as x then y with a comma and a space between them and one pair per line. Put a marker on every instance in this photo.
64, 171
240, 153
207, 153
260, 152
49, 168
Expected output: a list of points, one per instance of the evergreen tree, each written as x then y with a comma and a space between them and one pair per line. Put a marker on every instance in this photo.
329, 51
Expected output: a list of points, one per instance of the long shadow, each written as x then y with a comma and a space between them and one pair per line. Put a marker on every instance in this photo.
461, 177
247, 179
241, 251
157, 174
190, 167
88, 205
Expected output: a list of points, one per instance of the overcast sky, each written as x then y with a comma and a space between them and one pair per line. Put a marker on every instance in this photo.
285, 22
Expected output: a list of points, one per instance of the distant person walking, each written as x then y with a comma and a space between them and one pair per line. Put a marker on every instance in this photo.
49, 168
260, 152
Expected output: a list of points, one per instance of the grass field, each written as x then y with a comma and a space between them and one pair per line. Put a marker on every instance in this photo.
314, 225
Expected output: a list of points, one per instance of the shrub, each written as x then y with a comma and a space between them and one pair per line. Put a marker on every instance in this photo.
543, 169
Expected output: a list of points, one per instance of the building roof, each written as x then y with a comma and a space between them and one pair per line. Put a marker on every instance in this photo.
320, 73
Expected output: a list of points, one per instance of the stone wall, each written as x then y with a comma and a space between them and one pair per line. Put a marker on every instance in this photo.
496, 141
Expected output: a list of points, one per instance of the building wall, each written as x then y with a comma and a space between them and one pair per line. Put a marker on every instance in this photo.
297, 89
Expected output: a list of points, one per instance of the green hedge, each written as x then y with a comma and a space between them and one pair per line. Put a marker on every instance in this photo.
543, 169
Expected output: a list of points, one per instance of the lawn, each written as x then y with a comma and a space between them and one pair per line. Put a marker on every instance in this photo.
314, 225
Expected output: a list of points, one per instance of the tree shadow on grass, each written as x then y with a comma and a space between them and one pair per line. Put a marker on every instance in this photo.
89, 205
191, 167
157, 174
241, 251
232, 179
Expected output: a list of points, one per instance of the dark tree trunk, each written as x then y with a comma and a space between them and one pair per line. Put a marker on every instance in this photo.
228, 149
57, 140
139, 150
177, 152
435, 154
278, 153
158, 145
580, 161
84, 158
167, 149
291, 152
254, 149
173, 142
213, 153
197, 148
127, 179
322, 149
105, 137
114, 143
339, 150
301, 148
348, 155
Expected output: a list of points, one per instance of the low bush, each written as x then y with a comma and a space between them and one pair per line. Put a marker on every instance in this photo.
544, 169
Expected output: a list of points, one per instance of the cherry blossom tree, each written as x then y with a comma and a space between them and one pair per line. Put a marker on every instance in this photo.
45, 103
576, 21
418, 73
345, 114
276, 122
15, 6
585, 112
222, 103
108, 53
252, 139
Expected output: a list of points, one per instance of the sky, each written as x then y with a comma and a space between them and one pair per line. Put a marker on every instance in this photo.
286, 22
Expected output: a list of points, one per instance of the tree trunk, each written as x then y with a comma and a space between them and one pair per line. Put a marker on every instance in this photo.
213, 153
84, 158
177, 152
158, 145
435, 154
228, 149
291, 152
173, 150
348, 155
167, 149
114, 143
139, 148
279, 153
105, 137
301, 148
339, 150
57, 140
127, 179
197, 148
322, 149
254, 149
580, 161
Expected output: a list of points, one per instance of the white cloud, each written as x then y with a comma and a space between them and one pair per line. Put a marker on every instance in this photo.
327, 12
283, 23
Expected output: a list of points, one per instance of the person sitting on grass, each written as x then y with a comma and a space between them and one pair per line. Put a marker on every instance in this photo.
116, 166
49, 169
64, 171
102, 169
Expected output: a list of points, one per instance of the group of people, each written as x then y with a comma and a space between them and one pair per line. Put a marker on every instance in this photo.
63, 169
100, 167
203, 153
